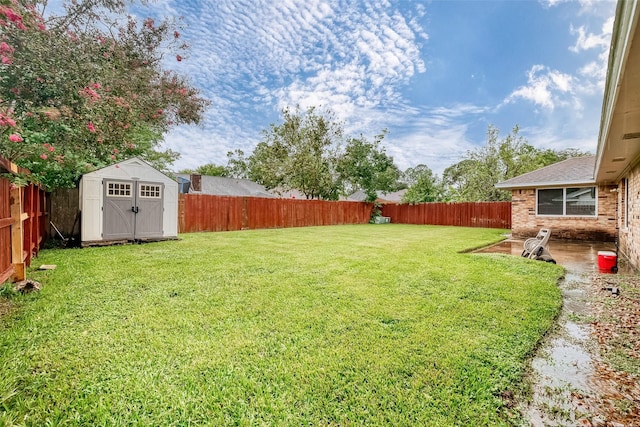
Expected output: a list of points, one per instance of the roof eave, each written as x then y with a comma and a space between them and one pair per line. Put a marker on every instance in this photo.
542, 184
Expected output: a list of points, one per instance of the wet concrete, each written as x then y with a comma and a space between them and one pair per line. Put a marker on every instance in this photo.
563, 366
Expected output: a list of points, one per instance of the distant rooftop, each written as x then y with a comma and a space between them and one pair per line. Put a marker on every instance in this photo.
222, 186
391, 197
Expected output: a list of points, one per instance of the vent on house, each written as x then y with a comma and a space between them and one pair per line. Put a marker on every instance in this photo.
631, 135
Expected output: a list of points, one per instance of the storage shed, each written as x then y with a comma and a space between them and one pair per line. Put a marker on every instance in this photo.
128, 201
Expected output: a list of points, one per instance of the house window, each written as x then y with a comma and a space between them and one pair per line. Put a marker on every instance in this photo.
118, 189
570, 201
149, 191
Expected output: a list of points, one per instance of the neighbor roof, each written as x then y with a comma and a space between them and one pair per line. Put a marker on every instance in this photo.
573, 171
222, 186
392, 197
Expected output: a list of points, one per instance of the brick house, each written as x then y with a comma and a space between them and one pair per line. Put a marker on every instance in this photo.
564, 197
596, 197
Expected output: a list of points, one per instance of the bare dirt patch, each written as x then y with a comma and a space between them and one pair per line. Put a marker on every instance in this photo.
5, 307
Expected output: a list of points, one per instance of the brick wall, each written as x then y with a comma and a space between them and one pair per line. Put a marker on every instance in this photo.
525, 223
630, 230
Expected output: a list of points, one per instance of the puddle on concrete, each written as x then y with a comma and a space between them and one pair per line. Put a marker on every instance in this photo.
563, 365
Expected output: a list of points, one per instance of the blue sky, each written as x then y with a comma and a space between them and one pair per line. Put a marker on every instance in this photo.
436, 74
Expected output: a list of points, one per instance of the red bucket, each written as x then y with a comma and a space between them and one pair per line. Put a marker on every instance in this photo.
606, 261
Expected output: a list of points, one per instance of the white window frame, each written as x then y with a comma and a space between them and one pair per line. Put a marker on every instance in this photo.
122, 186
150, 191
564, 202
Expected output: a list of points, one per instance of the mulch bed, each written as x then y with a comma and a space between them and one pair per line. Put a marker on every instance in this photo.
616, 327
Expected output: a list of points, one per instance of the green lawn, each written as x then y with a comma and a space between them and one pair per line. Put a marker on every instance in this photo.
345, 325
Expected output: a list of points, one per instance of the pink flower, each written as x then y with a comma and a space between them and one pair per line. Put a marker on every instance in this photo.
178, 58
176, 34
91, 94
91, 127
51, 149
5, 48
43, 156
6, 121
14, 137
5, 60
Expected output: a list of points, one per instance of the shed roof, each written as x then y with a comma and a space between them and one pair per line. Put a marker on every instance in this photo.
572, 171
223, 186
131, 168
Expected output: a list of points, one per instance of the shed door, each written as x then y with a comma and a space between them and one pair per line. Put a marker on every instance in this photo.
118, 215
132, 210
149, 209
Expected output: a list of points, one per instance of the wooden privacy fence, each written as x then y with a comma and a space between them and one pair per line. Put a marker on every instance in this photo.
199, 212
222, 213
23, 225
469, 214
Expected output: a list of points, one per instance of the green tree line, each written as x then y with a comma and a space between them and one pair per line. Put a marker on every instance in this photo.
309, 152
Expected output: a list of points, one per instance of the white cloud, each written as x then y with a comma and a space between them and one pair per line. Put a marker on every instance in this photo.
544, 87
587, 40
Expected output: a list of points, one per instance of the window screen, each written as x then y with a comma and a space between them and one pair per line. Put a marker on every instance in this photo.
572, 201
550, 202
581, 201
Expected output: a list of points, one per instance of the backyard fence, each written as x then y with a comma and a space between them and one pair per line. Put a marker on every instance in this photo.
23, 224
221, 213
199, 212
468, 214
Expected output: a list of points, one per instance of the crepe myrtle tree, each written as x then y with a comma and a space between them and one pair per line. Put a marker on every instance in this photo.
84, 90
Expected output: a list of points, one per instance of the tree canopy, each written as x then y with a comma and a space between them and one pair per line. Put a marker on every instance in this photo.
366, 166
209, 169
309, 152
299, 154
423, 185
86, 89
474, 178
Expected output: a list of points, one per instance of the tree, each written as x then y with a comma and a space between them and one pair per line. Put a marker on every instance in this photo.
299, 154
210, 169
474, 178
237, 164
83, 90
424, 185
366, 166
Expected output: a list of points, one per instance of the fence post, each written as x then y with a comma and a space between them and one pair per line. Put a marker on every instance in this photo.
17, 245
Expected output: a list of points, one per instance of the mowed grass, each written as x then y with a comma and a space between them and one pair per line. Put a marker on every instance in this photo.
346, 325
